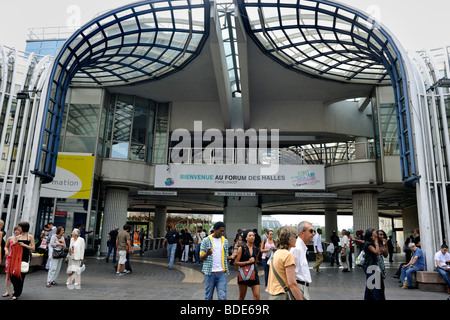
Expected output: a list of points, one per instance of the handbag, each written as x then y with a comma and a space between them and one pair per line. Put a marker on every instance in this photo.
288, 291
58, 254
247, 272
24, 267
82, 267
361, 258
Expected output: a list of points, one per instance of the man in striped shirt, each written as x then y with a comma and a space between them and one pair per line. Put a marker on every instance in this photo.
214, 253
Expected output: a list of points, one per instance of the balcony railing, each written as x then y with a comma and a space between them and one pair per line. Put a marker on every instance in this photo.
298, 155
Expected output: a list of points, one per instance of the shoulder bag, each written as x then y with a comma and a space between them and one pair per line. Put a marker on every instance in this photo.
288, 291
247, 272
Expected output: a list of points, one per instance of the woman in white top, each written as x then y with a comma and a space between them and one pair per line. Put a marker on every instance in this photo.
345, 250
266, 246
75, 257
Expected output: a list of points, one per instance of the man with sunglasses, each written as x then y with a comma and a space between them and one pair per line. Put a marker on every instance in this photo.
302, 274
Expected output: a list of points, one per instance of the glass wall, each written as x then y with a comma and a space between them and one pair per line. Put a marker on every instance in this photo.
136, 129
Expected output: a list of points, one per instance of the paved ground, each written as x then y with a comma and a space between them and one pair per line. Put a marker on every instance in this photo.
151, 280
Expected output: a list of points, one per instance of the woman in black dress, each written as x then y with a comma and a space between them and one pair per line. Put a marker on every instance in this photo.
20, 253
374, 279
247, 257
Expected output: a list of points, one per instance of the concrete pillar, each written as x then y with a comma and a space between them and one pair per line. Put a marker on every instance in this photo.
115, 213
242, 213
159, 223
330, 223
410, 221
361, 150
365, 210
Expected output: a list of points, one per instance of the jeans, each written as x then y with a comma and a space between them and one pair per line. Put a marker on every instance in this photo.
197, 254
171, 249
407, 273
110, 248
266, 270
216, 280
445, 275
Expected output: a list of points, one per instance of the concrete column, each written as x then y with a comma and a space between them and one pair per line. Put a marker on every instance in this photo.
159, 223
365, 210
330, 223
115, 213
361, 151
410, 221
241, 213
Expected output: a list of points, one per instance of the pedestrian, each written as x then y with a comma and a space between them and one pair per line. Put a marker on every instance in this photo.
302, 274
417, 263
382, 243
141, 241
246, 260
318, 250
335, 255
214, 253
123, 243
74, 258
171, 238
186, 240
345, 250
2, 241
350, 245
416, 237
58, 244
200, 236
374, 281
112, 244
8, 253
267, 248
390, 247
52, 231
21, 252
442, 264
282, 266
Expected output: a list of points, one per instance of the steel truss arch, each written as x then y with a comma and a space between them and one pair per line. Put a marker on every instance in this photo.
140, 42
325, 39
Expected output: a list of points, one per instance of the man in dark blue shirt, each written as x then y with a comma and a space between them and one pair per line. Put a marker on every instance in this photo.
172, 238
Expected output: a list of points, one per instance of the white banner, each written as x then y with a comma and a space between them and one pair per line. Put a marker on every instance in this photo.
295, 177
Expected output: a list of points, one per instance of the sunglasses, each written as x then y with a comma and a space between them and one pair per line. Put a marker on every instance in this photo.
311, 230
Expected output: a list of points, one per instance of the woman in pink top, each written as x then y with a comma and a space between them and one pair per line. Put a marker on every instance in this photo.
267, 248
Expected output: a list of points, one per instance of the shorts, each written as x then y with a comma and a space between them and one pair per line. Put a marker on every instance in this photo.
250, 283
122, 256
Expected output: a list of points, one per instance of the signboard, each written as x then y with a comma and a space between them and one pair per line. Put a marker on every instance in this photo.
234, 194
295, 177
73, 177
315, 195
156, 193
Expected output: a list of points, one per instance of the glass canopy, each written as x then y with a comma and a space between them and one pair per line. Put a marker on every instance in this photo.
143, 41
320, 39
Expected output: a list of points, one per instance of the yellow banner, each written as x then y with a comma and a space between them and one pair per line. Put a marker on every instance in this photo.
73, 177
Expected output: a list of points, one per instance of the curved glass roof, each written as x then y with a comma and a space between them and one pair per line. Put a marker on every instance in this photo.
139, 42
320, 38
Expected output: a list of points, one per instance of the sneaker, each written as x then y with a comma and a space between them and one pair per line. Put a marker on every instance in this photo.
125, 271
119, 274
405, 284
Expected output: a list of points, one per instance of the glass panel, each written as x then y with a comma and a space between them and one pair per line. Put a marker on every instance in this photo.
139, 128
80, 144
120, 150
83, 120
137, 152
122, 121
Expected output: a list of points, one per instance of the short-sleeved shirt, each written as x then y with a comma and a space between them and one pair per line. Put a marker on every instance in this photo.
318, 243
441, 258
172, 237
282, 258
113, 234
122, 240
420, 262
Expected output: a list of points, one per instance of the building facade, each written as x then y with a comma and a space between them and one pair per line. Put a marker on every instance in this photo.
244, 108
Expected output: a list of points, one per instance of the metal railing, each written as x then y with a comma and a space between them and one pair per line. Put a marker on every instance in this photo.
297, 155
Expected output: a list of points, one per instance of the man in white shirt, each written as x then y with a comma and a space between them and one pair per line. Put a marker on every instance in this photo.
318, 250
442, 264
345, 244
302, 274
